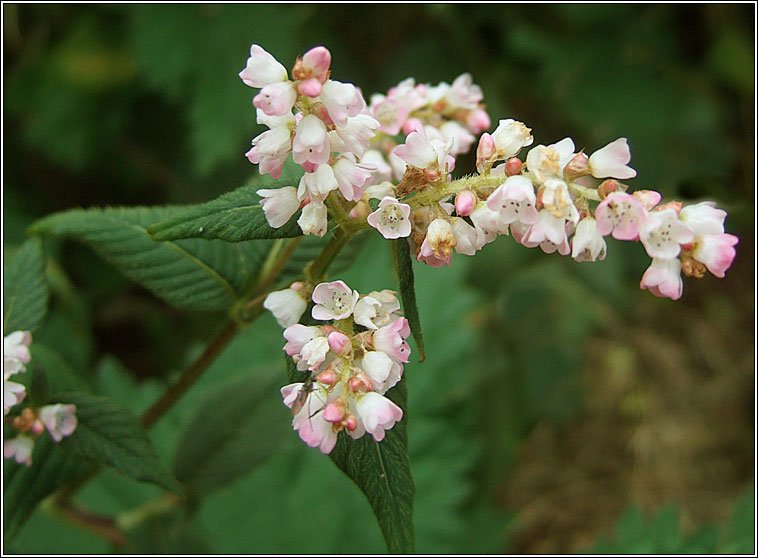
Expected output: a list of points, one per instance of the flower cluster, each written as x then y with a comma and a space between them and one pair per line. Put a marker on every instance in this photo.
349, 372
59, 419
547, 201
326, 135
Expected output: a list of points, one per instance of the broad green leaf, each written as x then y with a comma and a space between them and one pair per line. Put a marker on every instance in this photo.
235, 216
234, 430
24, 289
195, 274
108, 433
25, 487
60, 376
404, 268
382, 471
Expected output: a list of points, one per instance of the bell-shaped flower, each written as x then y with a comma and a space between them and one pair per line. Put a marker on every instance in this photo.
16, 345
510, 137
311, 142
716, 251
262, 69
309, 420
20, 449
488, 223
351, 176
314, 219
317, 185
544, 163
663, 278
620, 215
298, 335
276, 99
514, 200
611, 161
286, 305
466, 238
463, 93
279, 205
423, 153
377, 413
391, 218
355, 136
437, 247
383, 371
334, 301
13, 394
565, 149
703, 218
377, 309
588, 245
272, 147
341, 101
59, 419
549, 233
390, 339
663, 233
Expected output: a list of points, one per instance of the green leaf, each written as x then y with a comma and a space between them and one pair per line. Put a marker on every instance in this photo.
382, 471
25, 487
194, 274
404, 267
235, 216
60, 376
24, 289
234, 430
110, 434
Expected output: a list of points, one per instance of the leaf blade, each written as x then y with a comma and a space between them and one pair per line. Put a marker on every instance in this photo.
25, 293
108, 433
404, 268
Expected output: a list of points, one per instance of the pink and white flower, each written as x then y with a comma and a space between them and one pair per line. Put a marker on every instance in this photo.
314, 219
262, 69
703, 218
620, 215
390, 339
279, 205
377, 309
543, 163
437, 247
377, 413
297, 335
423, 153
16, 345
588, 244
355, 136
611, 161
383, 371
276, 99
663, 278
351, 176
510, 137
391, 218
286, 305
309, 421
341, 101
334, 301
272, 147
716, 251
59, 419
311, 142
662, 234
514, 200
467, 241
19, 448
549, 233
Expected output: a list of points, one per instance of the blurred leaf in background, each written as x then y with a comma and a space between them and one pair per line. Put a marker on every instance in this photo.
557, 403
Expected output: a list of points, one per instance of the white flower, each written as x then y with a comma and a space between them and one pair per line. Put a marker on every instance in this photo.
549, 233
59, 419
13, 394
377, 309
311, 142
510, 137
588, 244
466, 238
514, 200
355, 136
351, 177
334, 301
716, 251
383, 371
317, 185
662, 233
341, 101
543, 163
611, 161
391, 218
377, 413
20, 448
663, 278
286, 305
703, 218
279, 205
556, 199
16, 345
262, 69
313, 219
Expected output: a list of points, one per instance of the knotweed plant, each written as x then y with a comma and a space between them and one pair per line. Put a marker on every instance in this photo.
336, 165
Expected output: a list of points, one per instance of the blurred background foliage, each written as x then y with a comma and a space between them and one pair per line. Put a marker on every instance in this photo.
560, 409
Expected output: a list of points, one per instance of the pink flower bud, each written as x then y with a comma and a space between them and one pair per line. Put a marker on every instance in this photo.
412, 125
351, 423
338, 342
310, 87
334, 412
577, 166
465, 202
327, 377
607, 187
513, 166
38, 428
675, 205
359, 383
317, 61
477, 121
649, 198
485, 153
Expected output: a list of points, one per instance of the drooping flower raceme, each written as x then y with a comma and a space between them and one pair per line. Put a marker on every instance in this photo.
348, 371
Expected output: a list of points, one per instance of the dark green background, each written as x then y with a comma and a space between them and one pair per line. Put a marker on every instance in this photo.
555, 395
